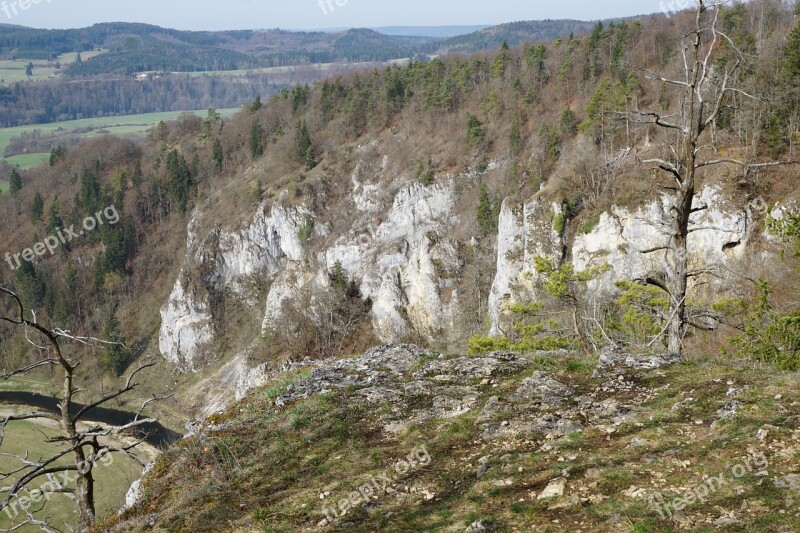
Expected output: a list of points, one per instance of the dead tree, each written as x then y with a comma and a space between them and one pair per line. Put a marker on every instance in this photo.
704, 92
78, 439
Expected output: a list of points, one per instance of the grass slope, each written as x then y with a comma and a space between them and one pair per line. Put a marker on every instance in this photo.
112, 480
273, 469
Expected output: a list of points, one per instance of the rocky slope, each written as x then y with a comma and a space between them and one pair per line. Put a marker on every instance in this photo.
402, 252
402, 439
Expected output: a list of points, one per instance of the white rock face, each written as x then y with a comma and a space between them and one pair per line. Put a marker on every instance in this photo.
135, 493
259, 250
186, 326
524, 233
225, 261
404, 263
721, 236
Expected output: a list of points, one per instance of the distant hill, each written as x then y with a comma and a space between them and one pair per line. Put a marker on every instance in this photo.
142, 47
514, 33
438, 32
131, 48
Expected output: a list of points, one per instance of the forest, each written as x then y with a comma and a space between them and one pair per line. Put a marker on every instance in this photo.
439, 168
535, 99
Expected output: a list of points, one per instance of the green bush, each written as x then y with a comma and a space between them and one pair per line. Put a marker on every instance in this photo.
305, 232
768, 335
476, 134
559, 223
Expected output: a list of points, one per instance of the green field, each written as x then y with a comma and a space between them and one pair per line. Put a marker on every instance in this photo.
321, 67
28, 385
112, 480
27, 160
13, 70
125, 126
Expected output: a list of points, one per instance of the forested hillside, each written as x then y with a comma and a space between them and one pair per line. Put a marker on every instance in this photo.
527, 107
104, 85
135, 48
440, 203
514, 34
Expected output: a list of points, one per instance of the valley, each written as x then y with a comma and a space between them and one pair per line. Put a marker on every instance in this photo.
539, 276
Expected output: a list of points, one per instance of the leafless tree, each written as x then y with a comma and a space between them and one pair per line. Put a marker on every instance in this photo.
704, 91
78, 439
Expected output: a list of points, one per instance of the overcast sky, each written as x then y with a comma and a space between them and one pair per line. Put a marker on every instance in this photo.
302, 14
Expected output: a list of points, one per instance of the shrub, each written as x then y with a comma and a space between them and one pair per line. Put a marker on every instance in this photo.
476, 134
305, 233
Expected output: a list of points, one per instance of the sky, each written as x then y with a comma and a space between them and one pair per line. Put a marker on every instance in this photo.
310, 14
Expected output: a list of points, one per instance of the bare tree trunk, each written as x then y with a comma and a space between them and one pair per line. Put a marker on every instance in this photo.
83, 446
704, 94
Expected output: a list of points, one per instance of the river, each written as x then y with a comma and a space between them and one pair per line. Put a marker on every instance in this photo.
154, 433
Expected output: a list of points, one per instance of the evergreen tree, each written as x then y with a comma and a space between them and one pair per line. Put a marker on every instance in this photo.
487, 221
217, 155
30, 285
502, 61
569, 123
37, 207
339, 277
425, 173
57, 153
15, 182
305, 147
29, 70
299, 97
90, 195
114, 356
257, 140
54, 221
791, 67
179, 180
256, 105
476, 134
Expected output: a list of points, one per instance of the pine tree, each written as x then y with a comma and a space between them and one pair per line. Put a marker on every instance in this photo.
476, 134
90, 195
54, 222
179, 180
501, 62
569, 123
486, 214
15, 182
37, 207
791, 68
114, 356
339, 276
305, 147
217, 155
257, 140
57, 153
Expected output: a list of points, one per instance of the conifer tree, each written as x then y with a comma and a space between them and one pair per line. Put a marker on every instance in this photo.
15, 182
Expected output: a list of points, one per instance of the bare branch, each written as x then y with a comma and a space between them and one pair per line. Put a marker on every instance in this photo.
665, 166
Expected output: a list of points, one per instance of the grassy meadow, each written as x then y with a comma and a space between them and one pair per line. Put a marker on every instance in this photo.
125, 126
113, 477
